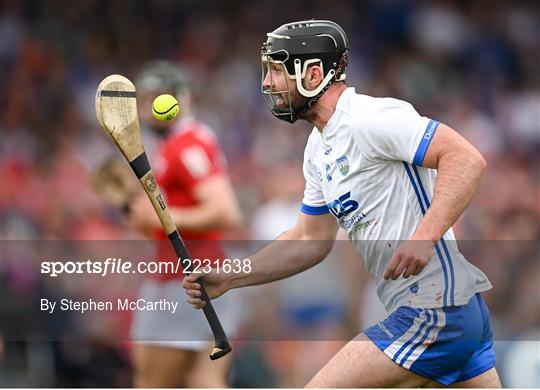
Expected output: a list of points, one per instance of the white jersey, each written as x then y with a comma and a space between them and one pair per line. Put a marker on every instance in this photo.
365, 168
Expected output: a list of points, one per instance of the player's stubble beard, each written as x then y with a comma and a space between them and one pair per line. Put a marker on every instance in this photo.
161, 130
297, 104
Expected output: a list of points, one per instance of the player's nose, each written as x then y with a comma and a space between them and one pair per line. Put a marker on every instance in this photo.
267, 82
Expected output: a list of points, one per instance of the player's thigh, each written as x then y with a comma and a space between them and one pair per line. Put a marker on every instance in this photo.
159, 366
208, 373
490, 379
360, 363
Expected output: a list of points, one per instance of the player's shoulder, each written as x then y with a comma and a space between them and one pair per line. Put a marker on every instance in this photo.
371, 113
367, 106
190, 131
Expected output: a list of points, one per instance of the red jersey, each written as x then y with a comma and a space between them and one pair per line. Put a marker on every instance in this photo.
189, 155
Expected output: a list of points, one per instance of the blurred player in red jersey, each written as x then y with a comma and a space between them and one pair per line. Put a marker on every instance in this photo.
172, 348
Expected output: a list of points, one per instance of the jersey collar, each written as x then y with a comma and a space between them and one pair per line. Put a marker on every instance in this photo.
333, 122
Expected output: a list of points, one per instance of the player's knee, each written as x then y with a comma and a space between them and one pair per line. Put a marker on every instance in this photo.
206, 381
150, 371
155, 379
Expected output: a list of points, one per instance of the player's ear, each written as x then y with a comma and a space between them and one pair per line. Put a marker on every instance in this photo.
314, 76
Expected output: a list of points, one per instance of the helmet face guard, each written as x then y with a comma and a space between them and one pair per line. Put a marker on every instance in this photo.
296, 46
279, 102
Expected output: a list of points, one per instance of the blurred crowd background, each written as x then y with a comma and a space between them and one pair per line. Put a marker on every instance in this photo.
473, 65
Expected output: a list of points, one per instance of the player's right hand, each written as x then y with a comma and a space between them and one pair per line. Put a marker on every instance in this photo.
214, 284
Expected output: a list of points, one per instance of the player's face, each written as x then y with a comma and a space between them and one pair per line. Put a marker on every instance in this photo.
280, 90
276, 81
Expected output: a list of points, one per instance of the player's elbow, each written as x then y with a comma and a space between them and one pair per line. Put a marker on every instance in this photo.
468, 158
315, 247
322, 249
479, 162
314, 251
232, 219
328, 246
482, 164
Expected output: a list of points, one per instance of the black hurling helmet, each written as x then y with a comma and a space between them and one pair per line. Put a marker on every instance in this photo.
162, 76
296, 46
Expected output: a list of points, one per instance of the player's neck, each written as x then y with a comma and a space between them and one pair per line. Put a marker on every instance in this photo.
326, 106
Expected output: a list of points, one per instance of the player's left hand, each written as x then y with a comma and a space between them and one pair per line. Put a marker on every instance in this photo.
142, 215
410, 258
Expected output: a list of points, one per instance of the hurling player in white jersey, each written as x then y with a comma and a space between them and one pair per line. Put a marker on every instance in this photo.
397, 182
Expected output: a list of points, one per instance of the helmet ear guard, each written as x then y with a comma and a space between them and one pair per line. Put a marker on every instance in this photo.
300, 86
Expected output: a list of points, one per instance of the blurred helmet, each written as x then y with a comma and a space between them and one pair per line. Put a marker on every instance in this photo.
298, 45
162, 76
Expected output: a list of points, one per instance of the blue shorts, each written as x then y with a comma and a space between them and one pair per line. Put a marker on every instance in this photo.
446, 345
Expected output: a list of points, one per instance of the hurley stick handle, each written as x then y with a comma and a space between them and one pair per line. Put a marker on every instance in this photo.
141, 167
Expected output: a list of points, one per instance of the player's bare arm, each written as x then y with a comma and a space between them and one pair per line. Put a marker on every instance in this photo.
459, 170
216, 208
296, 250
